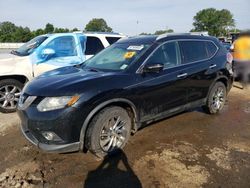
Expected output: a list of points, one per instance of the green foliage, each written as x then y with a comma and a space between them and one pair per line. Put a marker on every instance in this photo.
99, 25
49, 28
145, 33
159, 32
9, 32
216, 22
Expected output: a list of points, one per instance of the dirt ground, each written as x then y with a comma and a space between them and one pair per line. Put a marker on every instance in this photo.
192, 149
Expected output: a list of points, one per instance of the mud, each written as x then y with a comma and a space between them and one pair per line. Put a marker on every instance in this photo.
192, 149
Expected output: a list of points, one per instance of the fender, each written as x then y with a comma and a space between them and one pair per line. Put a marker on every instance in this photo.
217, 78
99, 107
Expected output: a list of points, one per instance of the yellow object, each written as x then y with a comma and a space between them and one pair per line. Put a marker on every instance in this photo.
129, 55
73, 100
241, 49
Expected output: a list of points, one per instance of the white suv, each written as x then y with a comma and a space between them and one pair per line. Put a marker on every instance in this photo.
44, 53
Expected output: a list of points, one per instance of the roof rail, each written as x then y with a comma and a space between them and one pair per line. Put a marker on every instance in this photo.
176, 34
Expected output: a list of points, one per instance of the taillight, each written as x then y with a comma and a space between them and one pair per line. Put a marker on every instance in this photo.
229, 58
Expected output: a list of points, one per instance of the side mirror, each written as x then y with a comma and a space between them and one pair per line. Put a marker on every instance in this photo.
48, 52
156, 68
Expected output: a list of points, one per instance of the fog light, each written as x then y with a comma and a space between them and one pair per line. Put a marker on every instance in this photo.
48, 135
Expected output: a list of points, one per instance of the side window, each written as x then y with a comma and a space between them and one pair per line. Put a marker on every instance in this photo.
112, 40
193, 51
167, 54
211, 48
93, 46
63, 46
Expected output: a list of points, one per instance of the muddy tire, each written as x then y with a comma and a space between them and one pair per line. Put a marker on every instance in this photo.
10, 91
216, 99
109, 131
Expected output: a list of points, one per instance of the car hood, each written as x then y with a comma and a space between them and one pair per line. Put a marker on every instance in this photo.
65, 81
9, 62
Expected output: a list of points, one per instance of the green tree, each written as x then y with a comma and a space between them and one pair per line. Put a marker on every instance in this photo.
61, 30
6, 31
98, 24
22, 34
37, 32
159, 32
216, 22
75, 29
49, 28
143, 33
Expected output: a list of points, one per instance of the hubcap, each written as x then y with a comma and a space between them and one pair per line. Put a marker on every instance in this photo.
113, 134
9, 96
218, 98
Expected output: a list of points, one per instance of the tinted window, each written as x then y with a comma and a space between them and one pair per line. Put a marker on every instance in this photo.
63, 46
166, 54
193, 51
112, 40
211, 48
93, 46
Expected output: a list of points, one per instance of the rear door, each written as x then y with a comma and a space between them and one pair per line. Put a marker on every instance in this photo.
197, 58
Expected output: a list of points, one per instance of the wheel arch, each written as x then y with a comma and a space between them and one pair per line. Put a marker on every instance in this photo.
21, 78
222, 79
124, 103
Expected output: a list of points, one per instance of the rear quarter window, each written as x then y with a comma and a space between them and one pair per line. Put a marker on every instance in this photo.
112, 40
192, 51
211, 48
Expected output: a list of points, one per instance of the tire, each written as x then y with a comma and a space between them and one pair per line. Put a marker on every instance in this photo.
111, 124
216, 99
10, 91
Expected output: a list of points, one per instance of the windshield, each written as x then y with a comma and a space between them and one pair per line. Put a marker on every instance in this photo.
30, 46
116, 57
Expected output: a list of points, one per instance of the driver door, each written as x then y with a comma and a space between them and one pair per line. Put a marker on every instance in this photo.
63, 52
165, 91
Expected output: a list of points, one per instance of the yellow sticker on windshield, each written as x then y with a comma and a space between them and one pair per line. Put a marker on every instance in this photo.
129, 55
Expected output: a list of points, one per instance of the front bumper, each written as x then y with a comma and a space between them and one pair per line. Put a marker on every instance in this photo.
63, 148
65, 124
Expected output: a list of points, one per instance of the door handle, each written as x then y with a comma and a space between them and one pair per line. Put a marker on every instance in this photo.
212, 66
182, 75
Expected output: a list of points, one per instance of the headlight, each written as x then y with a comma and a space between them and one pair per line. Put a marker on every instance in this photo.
54, 103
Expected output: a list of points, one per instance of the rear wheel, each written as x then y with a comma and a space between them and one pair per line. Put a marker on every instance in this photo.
216, 98
10, 91
108, 131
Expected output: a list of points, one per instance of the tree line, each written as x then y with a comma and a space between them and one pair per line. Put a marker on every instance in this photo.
215, 22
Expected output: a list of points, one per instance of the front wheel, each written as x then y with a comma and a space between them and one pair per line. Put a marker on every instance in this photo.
10, 91
216, 98
108, 131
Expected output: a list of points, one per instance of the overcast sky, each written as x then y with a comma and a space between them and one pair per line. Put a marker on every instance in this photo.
126, 16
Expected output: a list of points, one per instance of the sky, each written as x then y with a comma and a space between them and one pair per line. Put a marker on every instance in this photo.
129, 17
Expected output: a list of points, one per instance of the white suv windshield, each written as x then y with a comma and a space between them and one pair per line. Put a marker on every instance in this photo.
116, 57
29, 47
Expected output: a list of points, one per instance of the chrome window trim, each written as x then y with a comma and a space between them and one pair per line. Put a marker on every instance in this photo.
139, 70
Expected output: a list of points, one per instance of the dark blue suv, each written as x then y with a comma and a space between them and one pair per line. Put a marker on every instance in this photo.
97, 105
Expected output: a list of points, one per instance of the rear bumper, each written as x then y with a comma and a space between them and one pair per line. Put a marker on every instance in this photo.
64, 148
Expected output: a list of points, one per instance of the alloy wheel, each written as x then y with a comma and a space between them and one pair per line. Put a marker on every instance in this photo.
218, 98
9, 96
113, 134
